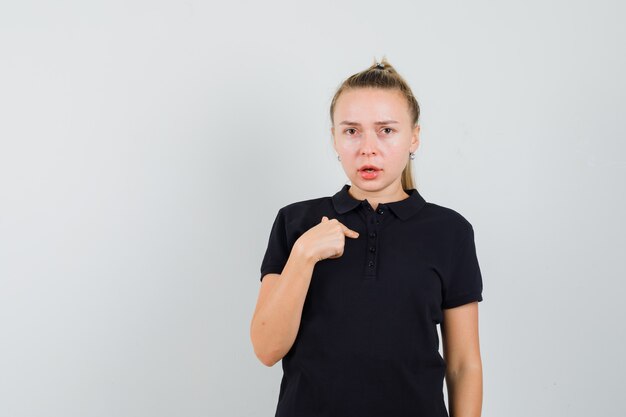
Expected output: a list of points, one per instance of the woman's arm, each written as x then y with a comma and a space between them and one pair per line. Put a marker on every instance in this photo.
277, 315
461, 350
276, 319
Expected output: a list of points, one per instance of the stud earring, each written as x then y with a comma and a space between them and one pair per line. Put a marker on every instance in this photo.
412, 155
338, 158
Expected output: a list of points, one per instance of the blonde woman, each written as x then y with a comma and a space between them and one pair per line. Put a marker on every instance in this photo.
353, 285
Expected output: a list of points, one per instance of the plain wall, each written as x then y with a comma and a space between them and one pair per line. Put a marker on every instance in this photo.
146, 146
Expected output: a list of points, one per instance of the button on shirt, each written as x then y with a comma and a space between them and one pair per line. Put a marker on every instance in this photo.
367, 344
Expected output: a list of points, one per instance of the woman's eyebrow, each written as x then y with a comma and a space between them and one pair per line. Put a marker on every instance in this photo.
383, 122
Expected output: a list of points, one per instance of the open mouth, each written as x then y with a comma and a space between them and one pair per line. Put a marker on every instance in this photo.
369, 172
370, 169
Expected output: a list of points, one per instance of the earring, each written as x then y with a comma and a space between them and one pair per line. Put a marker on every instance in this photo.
338, 158
412, 155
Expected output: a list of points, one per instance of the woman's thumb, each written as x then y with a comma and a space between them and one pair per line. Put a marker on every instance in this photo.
324, 219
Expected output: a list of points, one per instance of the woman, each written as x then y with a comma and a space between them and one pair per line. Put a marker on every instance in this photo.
354, 285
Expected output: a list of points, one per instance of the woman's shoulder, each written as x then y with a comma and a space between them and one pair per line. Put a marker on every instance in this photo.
311, 203
304, 213
446, 217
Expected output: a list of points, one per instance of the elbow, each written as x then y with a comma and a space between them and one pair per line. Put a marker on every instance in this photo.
269, 362
268, 359
463, 368
267, 355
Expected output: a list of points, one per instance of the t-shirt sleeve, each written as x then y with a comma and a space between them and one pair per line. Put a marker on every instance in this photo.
463, 283
277, 251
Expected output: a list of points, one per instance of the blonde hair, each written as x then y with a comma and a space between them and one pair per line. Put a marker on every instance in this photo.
383, 75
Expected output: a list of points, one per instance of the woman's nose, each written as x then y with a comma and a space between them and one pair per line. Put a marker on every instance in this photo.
369, 143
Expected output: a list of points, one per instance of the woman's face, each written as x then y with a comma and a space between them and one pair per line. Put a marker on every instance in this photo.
372, 126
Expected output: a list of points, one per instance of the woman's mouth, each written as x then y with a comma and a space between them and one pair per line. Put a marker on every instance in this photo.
369, 173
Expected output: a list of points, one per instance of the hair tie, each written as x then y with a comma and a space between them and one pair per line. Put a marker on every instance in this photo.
380, 66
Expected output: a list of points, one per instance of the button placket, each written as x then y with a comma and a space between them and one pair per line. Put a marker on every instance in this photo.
372, 244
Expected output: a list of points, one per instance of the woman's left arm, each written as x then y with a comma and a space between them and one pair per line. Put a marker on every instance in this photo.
461, 351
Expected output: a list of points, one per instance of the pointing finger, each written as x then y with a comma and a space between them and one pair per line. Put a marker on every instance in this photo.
349, 232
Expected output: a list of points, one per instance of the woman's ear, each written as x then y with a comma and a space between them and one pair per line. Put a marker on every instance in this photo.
415, 138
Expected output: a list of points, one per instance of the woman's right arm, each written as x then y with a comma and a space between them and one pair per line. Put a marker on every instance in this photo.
277, 317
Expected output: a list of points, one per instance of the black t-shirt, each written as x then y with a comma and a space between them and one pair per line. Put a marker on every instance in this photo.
367, 345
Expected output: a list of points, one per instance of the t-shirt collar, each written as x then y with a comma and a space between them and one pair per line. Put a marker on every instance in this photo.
344, 202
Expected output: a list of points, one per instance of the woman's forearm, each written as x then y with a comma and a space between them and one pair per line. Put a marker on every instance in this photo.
276, 324
465, 391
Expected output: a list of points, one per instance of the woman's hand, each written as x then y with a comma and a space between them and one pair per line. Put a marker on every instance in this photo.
326, 240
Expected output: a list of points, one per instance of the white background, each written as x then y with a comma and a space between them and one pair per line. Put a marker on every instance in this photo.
146, 146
